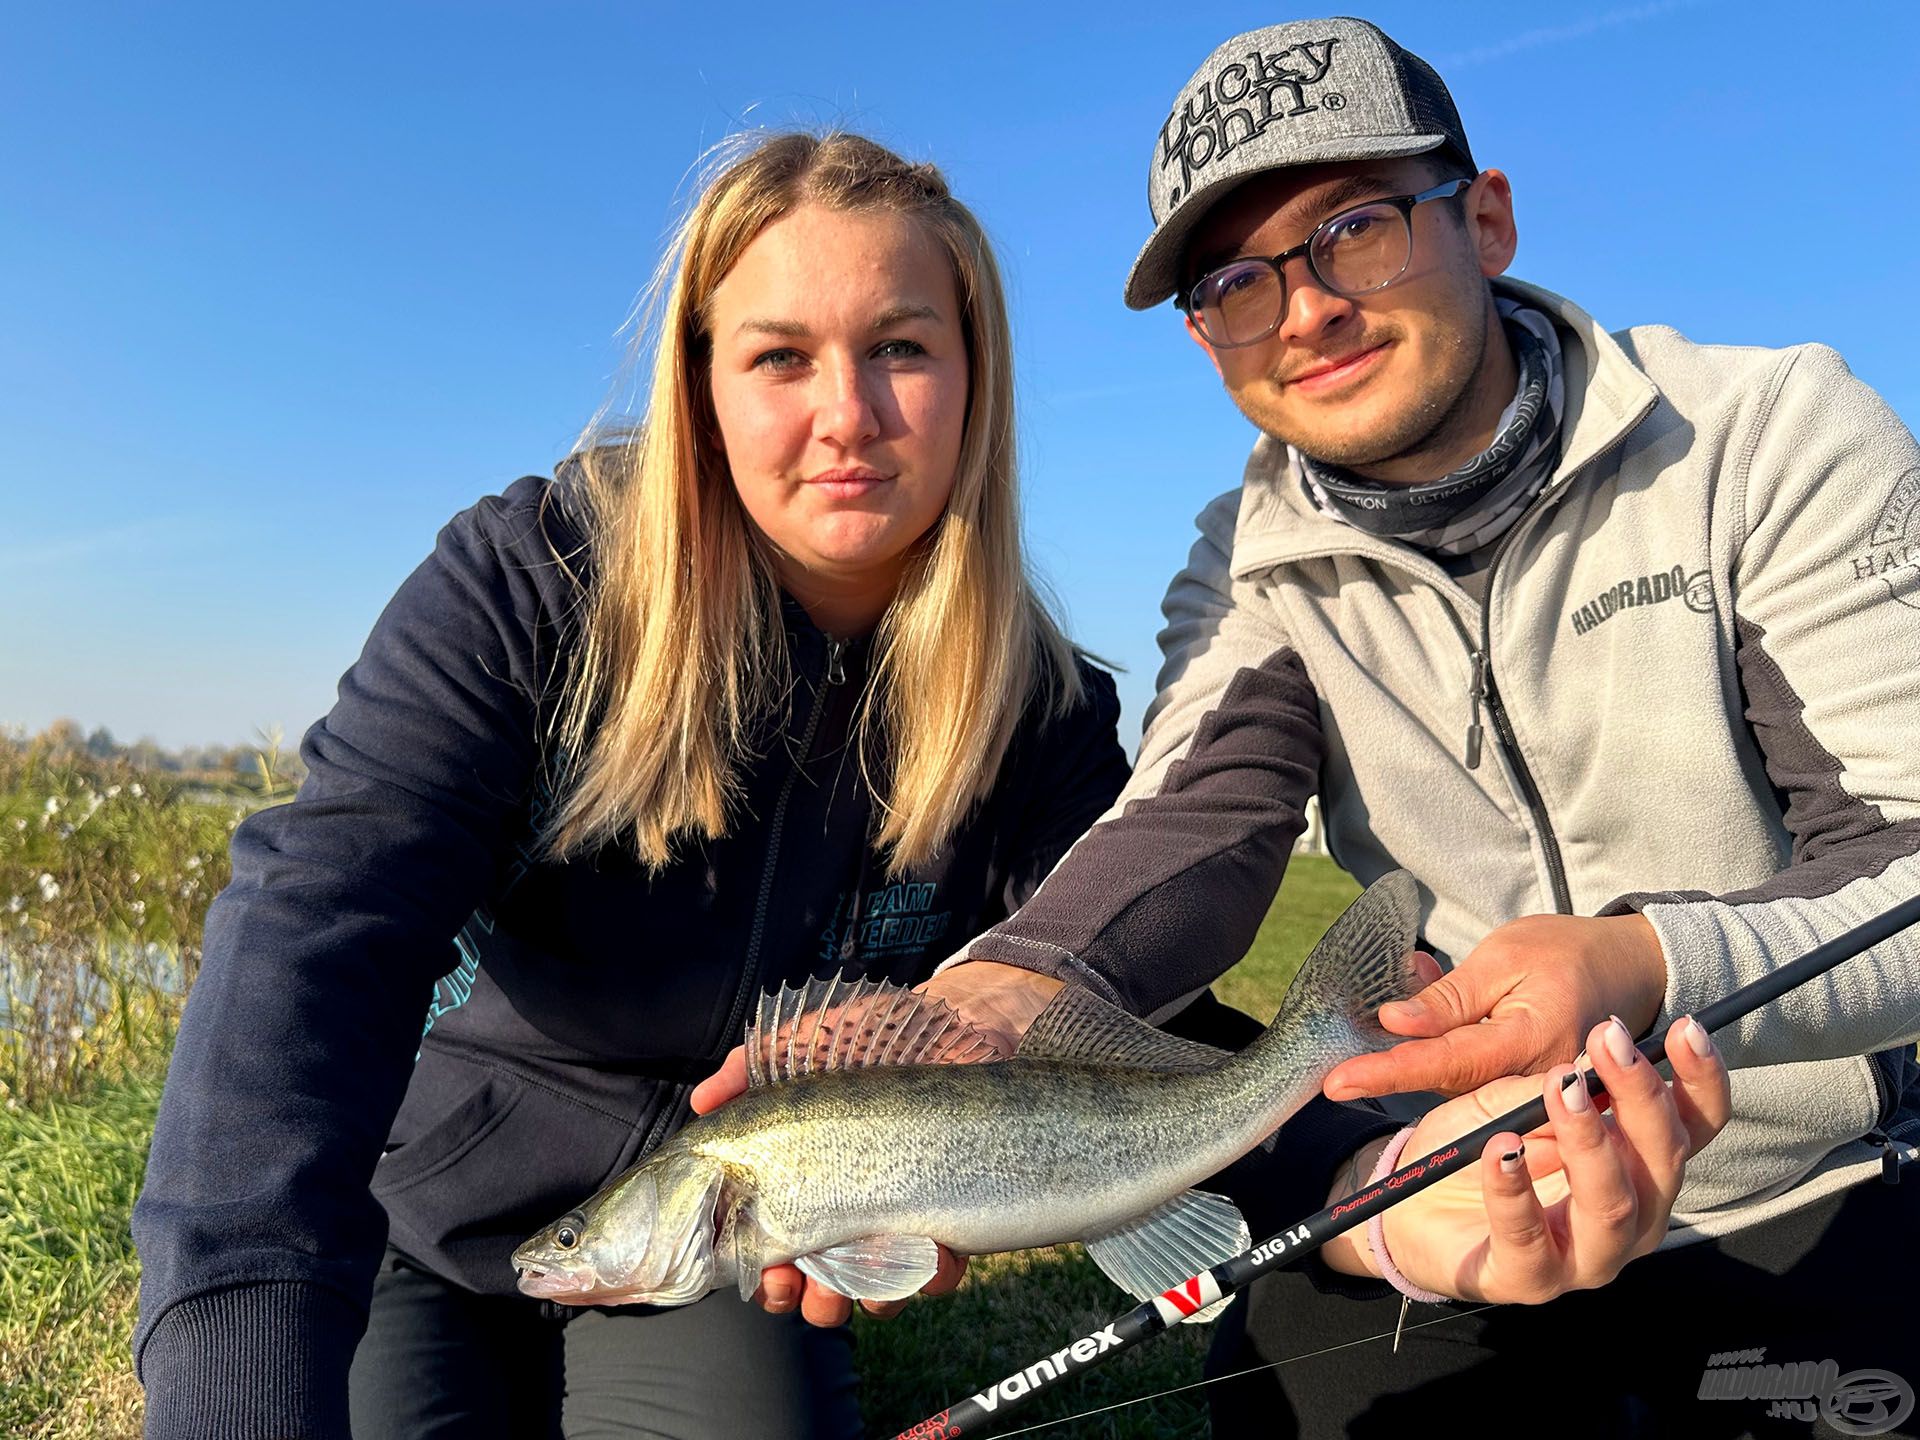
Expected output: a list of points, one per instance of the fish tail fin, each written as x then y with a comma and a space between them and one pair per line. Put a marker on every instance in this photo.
1363, 961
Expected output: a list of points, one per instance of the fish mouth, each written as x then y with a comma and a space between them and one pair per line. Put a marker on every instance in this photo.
547, 1284
559, 1288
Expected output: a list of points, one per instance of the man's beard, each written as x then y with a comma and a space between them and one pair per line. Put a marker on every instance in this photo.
1431, 425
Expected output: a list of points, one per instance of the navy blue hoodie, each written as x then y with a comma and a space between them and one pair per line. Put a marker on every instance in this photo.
406, 1025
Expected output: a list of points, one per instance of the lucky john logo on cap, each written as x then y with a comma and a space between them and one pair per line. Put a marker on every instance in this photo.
1238, 102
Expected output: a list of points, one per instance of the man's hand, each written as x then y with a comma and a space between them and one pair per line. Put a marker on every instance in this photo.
1585, 1195
1518, 1004
1000, 1001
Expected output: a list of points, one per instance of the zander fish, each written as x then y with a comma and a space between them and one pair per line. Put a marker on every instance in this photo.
851, 1156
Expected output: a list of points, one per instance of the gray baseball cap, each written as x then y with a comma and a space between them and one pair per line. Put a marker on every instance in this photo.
1308, 92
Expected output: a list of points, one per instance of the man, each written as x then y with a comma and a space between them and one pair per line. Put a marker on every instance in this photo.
1614, 642
1611, 641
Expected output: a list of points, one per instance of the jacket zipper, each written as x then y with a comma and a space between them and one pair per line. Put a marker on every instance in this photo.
1482, 691
1897, 1148
1477, 693
834, 674
1883, 1093
1485, 692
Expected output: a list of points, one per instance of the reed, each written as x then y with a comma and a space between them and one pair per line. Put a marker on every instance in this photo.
105, 875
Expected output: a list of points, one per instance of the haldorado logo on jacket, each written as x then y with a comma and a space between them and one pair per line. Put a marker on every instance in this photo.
1641, 590
1892, 558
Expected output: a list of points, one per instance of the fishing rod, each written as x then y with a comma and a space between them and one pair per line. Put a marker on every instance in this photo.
972, 1415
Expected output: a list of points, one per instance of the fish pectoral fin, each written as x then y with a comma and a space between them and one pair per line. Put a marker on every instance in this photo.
740, 1240
1170, 1244
1079, 1025
875, 1267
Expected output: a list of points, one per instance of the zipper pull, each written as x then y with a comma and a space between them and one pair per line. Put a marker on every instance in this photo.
1476, 694
836, 670
1893, 1154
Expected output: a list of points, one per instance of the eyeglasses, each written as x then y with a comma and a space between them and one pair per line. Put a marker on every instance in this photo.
1358, 250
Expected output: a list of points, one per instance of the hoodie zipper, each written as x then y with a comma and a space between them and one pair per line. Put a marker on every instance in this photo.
835, 673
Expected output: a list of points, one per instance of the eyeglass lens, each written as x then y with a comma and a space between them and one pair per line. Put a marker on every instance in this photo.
1360, 250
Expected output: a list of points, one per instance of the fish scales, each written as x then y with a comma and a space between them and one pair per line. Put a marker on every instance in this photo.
1013, 1145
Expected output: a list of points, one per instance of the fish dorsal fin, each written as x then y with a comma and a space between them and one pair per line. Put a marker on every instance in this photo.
875, 1267
1079, 1025
839, 1024
1171, 1243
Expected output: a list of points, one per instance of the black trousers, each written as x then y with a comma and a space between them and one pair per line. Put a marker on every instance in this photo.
1839, 1280
440, 1361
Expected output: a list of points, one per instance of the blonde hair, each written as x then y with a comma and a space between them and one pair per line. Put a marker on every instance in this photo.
682, 647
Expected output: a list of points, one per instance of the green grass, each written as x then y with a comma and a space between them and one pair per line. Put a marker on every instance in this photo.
1314, 891
70, 1168
1010, 1311
69, 1172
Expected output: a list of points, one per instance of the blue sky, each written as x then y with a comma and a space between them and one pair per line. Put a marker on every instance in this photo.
283, 287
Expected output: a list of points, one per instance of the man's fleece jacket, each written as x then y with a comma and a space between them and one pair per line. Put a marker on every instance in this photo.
1693, 691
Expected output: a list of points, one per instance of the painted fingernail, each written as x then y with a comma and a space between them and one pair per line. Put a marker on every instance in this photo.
1697, 1038
1573, 1092
1619, 1042
1510, 1162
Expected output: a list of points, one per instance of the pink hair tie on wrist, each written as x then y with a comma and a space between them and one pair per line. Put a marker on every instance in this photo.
1377, 1231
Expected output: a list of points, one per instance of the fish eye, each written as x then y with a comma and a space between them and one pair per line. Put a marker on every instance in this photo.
566, 1235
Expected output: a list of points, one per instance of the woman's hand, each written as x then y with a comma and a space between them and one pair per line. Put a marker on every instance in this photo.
1521, 1001
1000, 1002
1584, 1195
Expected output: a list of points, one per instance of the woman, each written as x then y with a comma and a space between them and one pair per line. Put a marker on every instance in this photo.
757, 691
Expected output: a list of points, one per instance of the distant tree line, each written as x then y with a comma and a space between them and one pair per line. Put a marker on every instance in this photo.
264, 767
